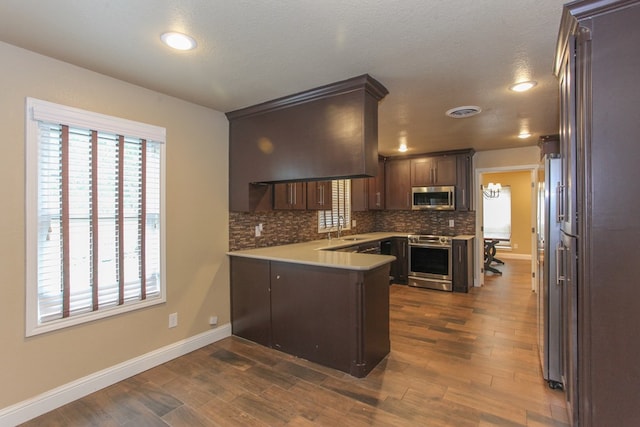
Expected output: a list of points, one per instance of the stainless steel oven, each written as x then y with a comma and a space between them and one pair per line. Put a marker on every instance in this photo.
430, 263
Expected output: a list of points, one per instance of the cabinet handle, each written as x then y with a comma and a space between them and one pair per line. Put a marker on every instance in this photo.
378, 199
295, 194
559, 277
408, 200
322, 195
290, 194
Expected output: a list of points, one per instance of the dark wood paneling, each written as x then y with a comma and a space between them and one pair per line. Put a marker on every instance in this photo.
328, 134
251, 299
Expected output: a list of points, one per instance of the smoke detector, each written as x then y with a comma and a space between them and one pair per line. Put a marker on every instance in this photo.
464, 111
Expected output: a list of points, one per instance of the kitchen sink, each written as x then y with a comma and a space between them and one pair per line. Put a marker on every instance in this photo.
351, 239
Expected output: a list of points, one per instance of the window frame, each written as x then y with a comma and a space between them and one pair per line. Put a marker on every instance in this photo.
44, 111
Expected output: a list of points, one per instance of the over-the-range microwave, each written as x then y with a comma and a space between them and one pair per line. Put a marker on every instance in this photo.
437, 198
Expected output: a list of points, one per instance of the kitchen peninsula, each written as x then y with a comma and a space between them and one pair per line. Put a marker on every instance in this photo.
314, 302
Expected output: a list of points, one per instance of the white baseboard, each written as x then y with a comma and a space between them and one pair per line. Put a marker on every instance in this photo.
59, 396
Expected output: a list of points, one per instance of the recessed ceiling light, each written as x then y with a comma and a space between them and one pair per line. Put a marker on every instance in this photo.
178, 41
523, 86
524, 135
403, 148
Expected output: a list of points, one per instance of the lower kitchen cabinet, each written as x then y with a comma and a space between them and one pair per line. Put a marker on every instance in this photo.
335, 317
462, 259
251, 300
400, 267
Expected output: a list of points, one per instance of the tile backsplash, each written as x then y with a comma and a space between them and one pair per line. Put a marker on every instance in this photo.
283, 227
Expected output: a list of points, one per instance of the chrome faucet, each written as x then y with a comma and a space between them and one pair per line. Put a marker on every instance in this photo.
340, 225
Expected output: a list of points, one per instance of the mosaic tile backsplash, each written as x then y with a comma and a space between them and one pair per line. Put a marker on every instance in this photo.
283, 227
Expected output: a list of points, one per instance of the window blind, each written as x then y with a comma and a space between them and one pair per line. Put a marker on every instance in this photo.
340, 212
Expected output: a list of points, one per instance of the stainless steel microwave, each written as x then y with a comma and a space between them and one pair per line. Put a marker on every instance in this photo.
437, 198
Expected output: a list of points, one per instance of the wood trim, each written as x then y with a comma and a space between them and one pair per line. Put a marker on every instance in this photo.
370, 85
66, 263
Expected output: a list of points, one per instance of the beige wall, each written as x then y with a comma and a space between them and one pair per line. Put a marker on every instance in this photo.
520, 183
197, 226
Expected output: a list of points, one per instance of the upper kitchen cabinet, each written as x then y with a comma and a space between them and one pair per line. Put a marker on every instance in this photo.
376, 188
290, 195
463, 182
325, 133
319, 195
368, 193
433, 171
398, 184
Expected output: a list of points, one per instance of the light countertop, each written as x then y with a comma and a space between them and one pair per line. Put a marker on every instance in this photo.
322, 252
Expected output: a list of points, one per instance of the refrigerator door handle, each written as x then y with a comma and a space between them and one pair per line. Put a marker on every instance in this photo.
559, 277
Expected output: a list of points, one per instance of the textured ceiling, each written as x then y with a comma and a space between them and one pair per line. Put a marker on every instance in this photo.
432, 55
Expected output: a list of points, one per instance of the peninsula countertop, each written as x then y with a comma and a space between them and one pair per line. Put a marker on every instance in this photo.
323, 252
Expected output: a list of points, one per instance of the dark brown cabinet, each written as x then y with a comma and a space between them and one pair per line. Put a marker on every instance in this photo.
398, 184
597, 66
463, 182
400, 267
251, 300
335, 317
462, 259
319, 195
359, 194
290, 195
376, 188
433, 171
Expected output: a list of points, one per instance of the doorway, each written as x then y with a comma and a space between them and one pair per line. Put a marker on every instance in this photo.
521, 243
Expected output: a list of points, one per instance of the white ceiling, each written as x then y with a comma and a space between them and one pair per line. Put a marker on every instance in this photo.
432, 55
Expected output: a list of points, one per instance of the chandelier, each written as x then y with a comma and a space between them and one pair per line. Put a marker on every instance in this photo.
492, 191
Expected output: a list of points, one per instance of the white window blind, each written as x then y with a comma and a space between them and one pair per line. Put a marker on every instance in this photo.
340, 212
94, 225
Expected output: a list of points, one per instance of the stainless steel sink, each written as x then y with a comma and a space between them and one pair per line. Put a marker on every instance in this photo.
351, 239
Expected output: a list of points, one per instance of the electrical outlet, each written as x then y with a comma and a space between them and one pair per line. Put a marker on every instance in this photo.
451, 223
515, 246
173, 320
258, 231
213, 320
353, 222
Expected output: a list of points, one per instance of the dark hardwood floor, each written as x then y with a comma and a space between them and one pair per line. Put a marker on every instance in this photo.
456, 360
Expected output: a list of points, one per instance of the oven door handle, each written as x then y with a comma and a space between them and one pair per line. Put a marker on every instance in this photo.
419, 245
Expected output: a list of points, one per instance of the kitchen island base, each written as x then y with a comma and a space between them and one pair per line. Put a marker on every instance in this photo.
335, 317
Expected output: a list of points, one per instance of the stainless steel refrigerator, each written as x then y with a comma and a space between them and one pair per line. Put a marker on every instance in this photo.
549, 289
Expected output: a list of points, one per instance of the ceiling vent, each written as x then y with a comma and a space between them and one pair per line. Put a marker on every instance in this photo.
463, 112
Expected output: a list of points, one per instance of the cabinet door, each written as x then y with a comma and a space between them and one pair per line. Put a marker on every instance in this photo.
311, 312
400, 267
445, 170
422, 172
462, 265
319, 195
398, 184
359, 194
290, 195
251, 299
568, 277
568, 144
463, 182
376, 188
